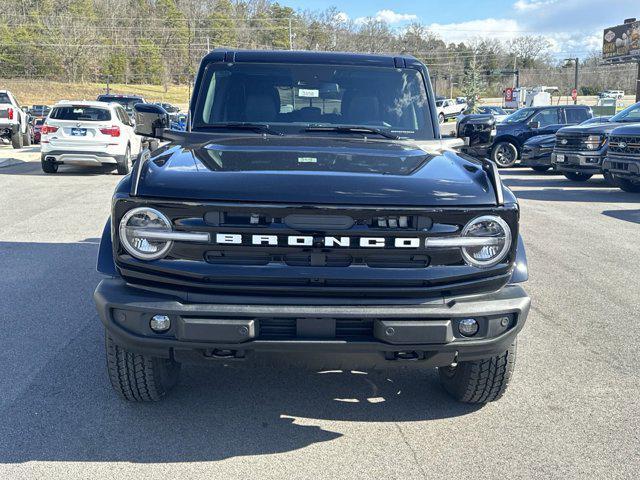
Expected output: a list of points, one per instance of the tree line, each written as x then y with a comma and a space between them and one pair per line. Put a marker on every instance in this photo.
162, 42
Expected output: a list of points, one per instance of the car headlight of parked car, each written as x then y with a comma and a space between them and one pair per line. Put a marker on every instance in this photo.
145, 232
493, 237
594, 142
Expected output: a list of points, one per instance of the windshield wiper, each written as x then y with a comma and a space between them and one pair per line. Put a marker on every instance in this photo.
350, 129
256, 127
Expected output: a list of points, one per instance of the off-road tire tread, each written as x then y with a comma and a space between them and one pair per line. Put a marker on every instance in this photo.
482, 381
135, 377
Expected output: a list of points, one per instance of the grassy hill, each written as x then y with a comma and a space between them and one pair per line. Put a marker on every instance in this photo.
36, 92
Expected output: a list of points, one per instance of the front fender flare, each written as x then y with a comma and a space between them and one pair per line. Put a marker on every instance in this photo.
106, 265
521, 269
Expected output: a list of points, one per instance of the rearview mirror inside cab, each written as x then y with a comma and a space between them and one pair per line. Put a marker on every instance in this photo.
150, 120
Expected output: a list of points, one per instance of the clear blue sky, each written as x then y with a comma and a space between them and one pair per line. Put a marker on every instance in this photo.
572, 26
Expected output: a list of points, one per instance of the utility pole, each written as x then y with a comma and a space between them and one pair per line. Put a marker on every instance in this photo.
638, 83
290, 35
516, 77
108, 89
575, 79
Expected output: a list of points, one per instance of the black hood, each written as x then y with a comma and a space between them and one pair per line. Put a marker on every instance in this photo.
590, 128
541, 140
315, 169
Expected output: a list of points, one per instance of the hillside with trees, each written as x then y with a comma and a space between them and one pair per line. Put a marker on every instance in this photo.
161, 42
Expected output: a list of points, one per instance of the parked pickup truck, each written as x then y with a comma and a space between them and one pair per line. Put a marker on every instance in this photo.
449, 108
311, 208
14, 124
622, 162
526, 123
580, 150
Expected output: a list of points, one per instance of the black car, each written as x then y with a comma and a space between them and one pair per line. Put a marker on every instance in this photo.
311, 210
622, 162
580, 150
513, 131
536, 152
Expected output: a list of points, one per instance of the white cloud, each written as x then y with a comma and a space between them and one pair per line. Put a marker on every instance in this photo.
388, 16
499, 28
530, 5
392, 17
341, 17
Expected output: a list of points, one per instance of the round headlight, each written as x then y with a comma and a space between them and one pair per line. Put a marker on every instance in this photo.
498, 235
133, 226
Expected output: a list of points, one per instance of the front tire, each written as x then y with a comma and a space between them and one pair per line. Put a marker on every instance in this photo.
17, 140
124, 166
139, 378
480, 381
627, 185
504, 154
26, 139
578, 177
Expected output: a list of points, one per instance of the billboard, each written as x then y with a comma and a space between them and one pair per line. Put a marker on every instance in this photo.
622, 42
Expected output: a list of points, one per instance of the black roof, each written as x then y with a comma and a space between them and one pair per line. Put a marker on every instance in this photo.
301, 56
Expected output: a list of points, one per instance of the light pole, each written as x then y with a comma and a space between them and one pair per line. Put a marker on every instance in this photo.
575, 77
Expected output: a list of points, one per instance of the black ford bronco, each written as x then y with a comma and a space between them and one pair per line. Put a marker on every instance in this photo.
311, 208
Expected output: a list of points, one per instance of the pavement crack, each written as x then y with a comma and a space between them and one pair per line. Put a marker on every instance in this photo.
413, 452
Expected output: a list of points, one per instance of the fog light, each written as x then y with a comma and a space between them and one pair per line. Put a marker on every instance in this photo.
468, 327
160, 323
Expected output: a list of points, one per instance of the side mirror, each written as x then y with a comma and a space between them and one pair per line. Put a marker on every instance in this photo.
150, 120
534, 125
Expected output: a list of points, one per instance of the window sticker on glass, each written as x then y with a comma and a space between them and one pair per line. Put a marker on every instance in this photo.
307, 160
308, 93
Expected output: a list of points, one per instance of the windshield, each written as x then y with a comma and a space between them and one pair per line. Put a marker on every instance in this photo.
292, 97
497, 110
519, 115
79, 112
629, 114
127, 103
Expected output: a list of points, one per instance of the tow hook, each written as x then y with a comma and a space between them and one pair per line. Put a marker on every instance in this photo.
224, 354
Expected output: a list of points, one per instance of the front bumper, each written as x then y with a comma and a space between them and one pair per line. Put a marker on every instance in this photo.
204, 331
578, 162
79, 157
536, 158
626, 167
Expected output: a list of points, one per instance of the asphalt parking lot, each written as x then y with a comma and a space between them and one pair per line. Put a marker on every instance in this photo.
571, 411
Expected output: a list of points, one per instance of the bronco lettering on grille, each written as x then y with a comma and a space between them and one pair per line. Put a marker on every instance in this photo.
310, 241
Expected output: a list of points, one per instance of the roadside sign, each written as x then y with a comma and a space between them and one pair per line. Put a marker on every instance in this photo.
622, 42
508, 95
574, 94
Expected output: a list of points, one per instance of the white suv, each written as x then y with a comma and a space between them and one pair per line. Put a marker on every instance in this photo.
88, 133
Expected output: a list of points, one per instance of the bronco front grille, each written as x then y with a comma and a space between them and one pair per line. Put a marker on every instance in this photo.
315, 267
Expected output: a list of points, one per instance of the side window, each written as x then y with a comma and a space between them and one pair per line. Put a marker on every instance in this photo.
122, 116
546, 117
576, 115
